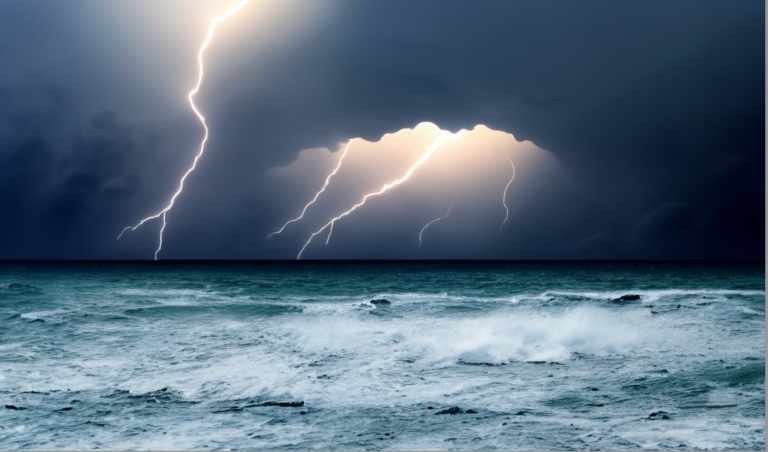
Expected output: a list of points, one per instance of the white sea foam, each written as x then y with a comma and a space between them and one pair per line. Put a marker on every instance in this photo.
45, 315
647, 296
363, 368
540, 337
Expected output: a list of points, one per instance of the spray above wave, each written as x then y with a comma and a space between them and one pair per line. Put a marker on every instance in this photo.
493, 338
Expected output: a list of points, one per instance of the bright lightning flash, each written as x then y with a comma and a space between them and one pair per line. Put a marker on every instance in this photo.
434, 221
327, 181
504, 199
190, 96
386, 187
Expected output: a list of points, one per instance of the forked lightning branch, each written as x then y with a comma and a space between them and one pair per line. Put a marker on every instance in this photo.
329, 225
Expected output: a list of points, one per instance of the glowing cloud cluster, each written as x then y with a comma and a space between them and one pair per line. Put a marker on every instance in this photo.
443, 135
457, 169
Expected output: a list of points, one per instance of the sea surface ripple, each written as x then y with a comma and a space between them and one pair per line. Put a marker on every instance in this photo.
535, 355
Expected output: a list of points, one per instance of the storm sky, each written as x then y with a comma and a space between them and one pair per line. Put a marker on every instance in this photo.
636, 127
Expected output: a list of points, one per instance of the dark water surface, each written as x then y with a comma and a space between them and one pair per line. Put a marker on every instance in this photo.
536, 355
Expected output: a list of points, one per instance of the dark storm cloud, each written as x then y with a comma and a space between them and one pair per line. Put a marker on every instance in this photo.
54, 199
655, 108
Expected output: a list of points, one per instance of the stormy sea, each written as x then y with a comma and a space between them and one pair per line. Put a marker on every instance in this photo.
382, 355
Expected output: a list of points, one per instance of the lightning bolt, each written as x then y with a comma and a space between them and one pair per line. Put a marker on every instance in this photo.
504, 199
327, 181
433, 221
329, 234
386, 187
190, 96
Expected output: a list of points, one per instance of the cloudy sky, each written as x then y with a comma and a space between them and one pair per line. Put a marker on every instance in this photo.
635, 128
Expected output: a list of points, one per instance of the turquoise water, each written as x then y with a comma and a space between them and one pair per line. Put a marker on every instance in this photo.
536, 355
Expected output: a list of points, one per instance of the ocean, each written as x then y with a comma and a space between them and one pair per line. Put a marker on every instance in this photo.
382, 355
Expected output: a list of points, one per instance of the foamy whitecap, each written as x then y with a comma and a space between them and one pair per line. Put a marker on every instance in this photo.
519, 345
